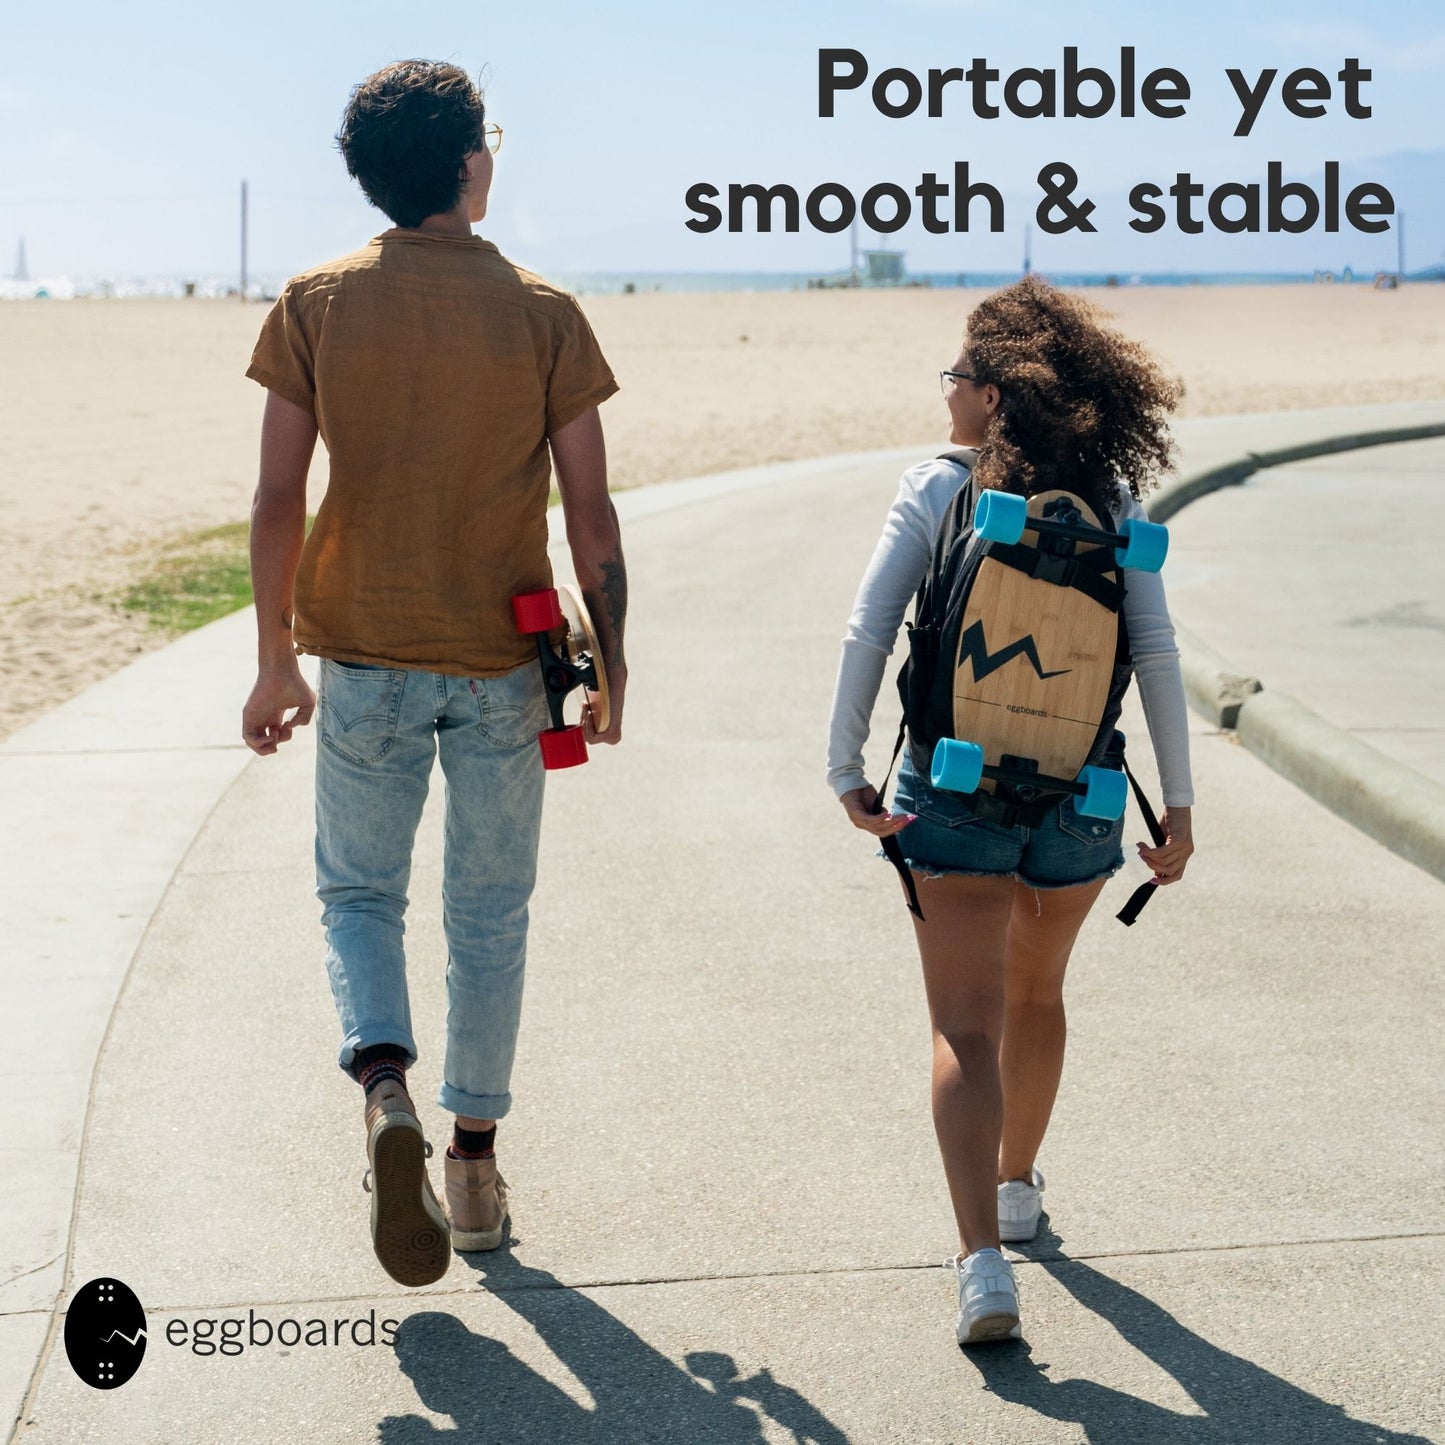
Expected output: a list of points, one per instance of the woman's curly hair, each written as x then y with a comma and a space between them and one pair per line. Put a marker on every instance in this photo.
1081, 403
406, 134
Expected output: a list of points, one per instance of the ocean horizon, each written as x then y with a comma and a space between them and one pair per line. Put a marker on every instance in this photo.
266, 286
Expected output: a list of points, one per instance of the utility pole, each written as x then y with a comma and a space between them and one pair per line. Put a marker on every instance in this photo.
243, 240
1400, 244
1028, 246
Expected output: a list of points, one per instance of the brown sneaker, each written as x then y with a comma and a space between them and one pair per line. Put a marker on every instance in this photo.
408, 1227
476, 1202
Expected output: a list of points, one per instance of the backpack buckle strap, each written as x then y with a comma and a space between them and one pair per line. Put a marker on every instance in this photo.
1064, 571
1052, 568
992, 809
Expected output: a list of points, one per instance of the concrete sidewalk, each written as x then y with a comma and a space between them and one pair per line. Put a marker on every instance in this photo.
1324, 578
729, 1209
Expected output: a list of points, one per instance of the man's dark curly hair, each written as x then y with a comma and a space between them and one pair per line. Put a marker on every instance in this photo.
406, 134
1081, 403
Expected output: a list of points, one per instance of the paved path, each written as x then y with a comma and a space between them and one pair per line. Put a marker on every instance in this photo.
729, 1211
1325, 579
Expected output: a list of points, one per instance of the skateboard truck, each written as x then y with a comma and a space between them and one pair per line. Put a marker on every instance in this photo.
1003, 517
578, 664
958, 767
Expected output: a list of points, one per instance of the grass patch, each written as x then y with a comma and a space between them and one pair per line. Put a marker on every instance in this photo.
197, 578
200, 577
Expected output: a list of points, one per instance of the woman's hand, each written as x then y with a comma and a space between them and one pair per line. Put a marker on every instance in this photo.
860, 805
1169, 859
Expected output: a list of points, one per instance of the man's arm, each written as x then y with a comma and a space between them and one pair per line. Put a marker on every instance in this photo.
278, 532
595, 539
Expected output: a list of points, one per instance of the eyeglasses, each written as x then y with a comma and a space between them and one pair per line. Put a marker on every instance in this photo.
492, 137
944, 377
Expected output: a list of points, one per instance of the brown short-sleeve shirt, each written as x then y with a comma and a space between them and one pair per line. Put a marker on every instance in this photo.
435, 369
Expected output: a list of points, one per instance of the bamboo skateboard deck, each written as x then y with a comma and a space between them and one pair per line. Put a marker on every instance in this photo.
582, 647
1035, 686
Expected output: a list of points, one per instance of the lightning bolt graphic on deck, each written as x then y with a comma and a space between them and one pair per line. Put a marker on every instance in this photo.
975, 649
108, 1338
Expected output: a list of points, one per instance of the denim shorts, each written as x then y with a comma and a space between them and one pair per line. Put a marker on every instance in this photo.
1066, 849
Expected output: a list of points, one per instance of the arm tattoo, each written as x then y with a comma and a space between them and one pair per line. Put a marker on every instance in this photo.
612, 597
614, 588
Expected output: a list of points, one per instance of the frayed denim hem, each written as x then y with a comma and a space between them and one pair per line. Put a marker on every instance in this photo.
1075, 883
928, 870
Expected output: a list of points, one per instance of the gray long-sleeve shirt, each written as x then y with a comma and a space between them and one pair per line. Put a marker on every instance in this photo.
893, 577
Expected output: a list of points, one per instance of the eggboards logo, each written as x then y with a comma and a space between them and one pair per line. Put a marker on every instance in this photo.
105, 1333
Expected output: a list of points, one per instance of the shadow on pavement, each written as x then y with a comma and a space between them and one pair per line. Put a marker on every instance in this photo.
1241, 1401
638, 1393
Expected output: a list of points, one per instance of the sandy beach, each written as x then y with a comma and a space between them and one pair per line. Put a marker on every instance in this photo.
124, 424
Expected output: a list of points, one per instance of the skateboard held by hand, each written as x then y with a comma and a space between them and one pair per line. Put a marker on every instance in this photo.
577, 664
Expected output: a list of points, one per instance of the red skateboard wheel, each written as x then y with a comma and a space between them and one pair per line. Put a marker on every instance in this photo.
563, 747
537, 611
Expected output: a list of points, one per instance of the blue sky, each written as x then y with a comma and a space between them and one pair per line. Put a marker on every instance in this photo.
125, 130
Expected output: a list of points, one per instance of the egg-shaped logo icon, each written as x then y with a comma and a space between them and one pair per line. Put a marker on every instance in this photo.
105, 1333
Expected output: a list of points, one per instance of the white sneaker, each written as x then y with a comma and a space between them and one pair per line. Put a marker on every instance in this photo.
988, 1298
1019, 1207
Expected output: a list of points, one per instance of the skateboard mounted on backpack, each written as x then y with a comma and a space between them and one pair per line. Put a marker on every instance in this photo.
1018, 661
1046, 711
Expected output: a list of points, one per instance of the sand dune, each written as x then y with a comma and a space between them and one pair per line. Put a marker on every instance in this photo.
124, 423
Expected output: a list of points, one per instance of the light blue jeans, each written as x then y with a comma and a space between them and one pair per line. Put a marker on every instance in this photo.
379, 733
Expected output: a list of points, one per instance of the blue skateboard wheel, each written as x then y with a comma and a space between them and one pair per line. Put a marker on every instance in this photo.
1107, 793
957, 766
1000, 516
1148, 543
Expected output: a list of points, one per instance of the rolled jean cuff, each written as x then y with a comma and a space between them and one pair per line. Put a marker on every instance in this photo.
474, 1106
363, 1037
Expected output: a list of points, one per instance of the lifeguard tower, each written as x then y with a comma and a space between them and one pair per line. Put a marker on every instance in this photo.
884, 268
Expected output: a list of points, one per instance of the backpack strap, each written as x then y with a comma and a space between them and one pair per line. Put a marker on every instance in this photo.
959, 515
967, 498
1145, 891
964, 456
892, 848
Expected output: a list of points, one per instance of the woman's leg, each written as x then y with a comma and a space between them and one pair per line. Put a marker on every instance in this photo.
1041, 931
962, 946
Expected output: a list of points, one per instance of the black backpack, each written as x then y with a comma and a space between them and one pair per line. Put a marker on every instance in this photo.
925, 681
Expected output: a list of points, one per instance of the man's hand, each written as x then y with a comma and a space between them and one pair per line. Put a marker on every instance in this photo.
595, 540
278, 530
264, 725
860, 805
616, 687
1169, 859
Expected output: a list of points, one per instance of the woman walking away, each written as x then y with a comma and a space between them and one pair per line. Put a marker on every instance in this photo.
1047, 396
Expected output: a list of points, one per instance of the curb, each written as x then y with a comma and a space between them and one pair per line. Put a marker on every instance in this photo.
1178, 495
1215, 691
1390, 802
